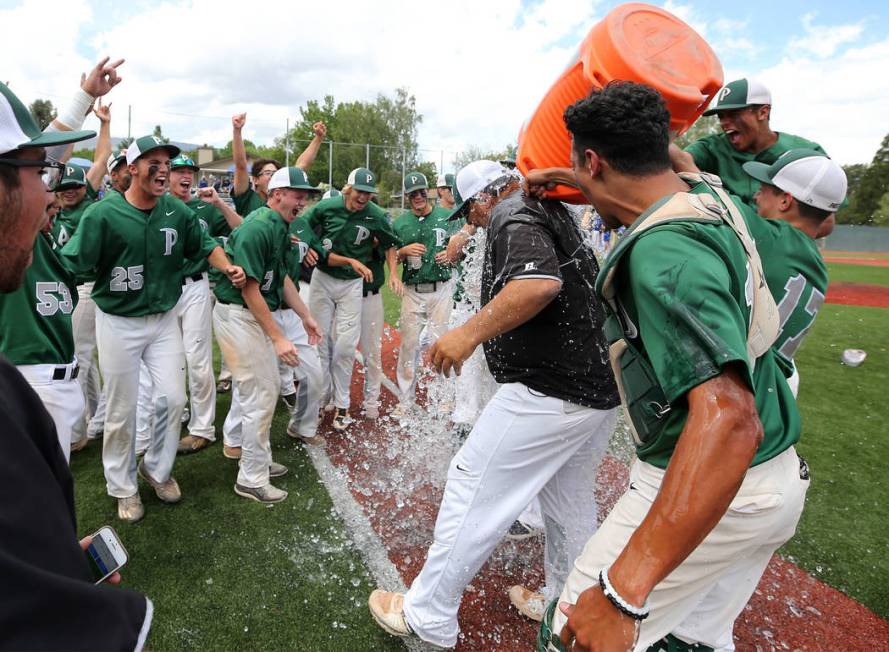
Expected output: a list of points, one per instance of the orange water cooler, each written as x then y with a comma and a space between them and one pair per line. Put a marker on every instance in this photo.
634, 42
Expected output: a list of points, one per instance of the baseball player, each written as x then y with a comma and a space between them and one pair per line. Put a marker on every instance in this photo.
423, 232
36, 334
799, 195
371, 339
743, 107
118, 171
444, 187
249, 337
348, 224
717, 486
545, 429
135, 246
247, 199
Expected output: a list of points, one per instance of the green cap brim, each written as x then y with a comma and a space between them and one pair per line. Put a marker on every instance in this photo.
725, 107
363, 188
407, 191
48, 139
459, 210
172, 150
759, 171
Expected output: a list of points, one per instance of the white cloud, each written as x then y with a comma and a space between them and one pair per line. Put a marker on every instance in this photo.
823, 41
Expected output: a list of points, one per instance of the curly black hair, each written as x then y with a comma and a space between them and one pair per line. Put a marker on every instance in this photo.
626, 123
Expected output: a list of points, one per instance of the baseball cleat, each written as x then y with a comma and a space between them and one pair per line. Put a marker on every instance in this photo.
289, 400
130, 509
192, 444
529, 603
231, 452
341, 419
79, 445
167, 491
224, 386
293, 433
266, 494
519, 531
186, 417
277, 470
387, 609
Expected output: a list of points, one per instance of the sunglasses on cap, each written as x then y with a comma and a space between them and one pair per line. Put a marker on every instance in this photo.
52, 170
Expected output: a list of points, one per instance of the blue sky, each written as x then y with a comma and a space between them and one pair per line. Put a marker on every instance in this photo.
477, 69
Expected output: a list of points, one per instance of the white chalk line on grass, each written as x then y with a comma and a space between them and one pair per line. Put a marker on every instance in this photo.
360, 531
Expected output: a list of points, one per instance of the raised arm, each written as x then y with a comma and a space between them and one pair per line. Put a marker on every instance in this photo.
306, 159
103, 145
239, 154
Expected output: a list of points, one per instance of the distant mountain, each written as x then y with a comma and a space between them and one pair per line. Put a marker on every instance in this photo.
115, 142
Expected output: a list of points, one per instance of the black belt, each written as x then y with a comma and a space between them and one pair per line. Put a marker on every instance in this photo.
60, 373
435, 285
367, 293
195, 277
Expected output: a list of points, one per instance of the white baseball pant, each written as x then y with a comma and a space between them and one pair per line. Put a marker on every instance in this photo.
97, 423
123, 342
251, 358
523, 444
332, 297
700, 600
432, 310
304, 418
63, 398
371, 342
285, 317
83, 325
195, 312
475, 384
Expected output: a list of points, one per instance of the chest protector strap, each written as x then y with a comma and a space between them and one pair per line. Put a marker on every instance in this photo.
642, 397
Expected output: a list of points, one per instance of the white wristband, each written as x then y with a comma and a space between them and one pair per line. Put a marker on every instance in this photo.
638, 613
76, 112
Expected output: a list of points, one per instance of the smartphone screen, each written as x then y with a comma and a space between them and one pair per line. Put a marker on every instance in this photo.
101, 559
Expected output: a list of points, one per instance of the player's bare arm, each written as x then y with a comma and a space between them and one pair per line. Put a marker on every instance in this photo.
395, 284
335, 260
516, 303
210, 196
537, 182
241, 181
681, 160
103, 145
292, 298
220, 261
305, 160
717, 444
284, 348
412, 249
457, 243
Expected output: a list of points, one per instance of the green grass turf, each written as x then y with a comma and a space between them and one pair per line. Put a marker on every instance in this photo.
842, 538
843, 273
226, 573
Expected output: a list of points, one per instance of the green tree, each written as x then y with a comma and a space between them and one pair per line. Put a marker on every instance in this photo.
881, 215
703, 126
43, 112
870, 189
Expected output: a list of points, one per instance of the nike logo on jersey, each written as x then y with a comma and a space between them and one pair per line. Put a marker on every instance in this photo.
170, 213
202, 206
460, 468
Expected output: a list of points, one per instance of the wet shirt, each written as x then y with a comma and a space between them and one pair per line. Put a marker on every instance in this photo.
214, 224
797, 278
247, 202
684, 287
716, 155
432, 231
260, 245
349, 234
35, 320
561, 351
135, 258
68, 219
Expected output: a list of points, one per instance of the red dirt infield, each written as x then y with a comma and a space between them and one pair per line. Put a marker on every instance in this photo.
858, 294
399, 493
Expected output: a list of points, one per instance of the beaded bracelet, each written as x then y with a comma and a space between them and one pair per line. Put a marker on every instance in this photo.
637, 613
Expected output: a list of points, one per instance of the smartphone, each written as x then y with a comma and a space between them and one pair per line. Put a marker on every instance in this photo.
105, 554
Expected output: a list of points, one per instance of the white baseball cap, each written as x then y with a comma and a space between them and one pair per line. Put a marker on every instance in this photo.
811, 177
740, 94
292, 177
472, 179
114, 160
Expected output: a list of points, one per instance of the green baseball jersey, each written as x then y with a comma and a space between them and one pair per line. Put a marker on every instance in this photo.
65, 223
136, 257
212, 222
260, 246
349, 234
796, 275
247, 202
35, 320
377, 266
432, 231
715, 154
682, 292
